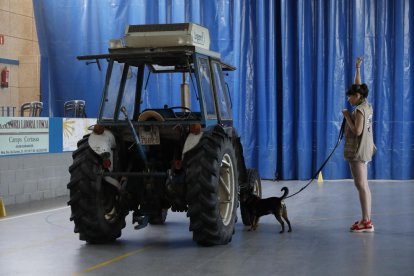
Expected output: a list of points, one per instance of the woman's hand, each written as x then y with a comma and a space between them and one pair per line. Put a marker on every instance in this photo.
358, 62
357, 79
346, 113
355, 126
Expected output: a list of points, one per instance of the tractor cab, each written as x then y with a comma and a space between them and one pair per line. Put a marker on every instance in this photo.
168, 70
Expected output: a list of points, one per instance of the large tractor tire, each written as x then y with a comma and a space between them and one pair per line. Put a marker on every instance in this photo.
212, 185
96, 211
254, 187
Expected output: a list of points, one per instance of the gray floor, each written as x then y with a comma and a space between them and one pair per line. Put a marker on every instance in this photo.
38, 239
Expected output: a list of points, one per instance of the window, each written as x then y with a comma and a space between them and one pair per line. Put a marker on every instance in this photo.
222, 94
111, 94
206, 87
128, 99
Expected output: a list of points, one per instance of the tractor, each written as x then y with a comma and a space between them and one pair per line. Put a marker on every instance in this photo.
164, 140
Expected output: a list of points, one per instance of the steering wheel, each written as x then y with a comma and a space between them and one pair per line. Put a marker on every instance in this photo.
186, 114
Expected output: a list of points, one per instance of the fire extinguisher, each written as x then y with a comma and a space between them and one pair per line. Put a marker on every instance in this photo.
5, 77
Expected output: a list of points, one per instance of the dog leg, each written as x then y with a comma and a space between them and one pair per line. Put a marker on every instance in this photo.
251, 218
279, 219
254, 226
285, 216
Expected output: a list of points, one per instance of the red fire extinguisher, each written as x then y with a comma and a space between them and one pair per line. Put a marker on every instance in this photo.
5, 77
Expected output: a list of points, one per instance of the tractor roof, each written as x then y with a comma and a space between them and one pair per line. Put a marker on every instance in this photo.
161, 44
164, 56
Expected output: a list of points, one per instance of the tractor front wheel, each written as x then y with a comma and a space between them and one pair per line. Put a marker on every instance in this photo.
254, 187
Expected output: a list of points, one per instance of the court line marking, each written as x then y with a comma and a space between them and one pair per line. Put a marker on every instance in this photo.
386, 214
34, 213
113, 260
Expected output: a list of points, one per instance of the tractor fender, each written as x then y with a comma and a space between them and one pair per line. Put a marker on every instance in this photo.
103, 143
191, 141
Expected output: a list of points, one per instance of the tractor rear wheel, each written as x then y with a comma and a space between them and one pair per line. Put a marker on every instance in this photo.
212, 185
95, 204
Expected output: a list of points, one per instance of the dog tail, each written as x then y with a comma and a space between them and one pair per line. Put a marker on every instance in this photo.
286, 192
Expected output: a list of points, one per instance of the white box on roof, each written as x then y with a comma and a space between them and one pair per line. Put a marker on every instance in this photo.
167, 35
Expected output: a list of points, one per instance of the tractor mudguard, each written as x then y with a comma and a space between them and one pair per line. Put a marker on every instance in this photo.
191, 141
103, 143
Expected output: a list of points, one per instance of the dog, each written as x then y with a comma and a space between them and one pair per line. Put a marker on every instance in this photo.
258, 207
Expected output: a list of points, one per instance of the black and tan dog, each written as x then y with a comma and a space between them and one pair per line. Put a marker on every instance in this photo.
258, 207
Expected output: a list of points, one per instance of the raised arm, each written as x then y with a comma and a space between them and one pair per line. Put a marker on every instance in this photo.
357, 79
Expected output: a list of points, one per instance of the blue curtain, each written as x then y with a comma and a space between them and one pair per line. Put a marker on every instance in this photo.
295, 60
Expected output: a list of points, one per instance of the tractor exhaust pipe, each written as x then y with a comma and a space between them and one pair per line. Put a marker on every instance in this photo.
185, 93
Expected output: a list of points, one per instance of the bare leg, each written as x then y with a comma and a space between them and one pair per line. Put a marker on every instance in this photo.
360, 173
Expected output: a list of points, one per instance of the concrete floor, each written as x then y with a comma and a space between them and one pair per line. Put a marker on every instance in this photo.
38, 239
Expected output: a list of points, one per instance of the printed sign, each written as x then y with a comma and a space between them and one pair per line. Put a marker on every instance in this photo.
23, 135
73, 130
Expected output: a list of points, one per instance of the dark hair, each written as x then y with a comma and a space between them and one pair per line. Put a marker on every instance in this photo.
358, 88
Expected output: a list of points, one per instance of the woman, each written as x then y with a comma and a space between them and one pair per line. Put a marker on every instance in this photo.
359, 146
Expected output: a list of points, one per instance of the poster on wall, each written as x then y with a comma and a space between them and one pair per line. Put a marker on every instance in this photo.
23, 135
73, 130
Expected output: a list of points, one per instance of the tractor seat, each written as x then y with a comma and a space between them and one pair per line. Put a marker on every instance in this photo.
150, 115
